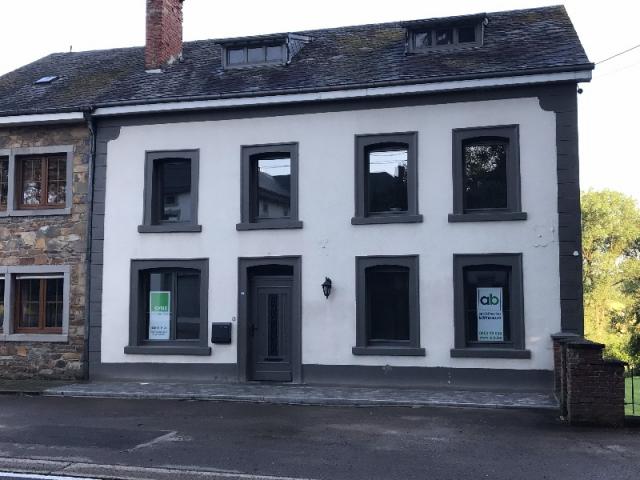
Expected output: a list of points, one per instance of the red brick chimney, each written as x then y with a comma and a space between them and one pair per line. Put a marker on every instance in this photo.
164, 33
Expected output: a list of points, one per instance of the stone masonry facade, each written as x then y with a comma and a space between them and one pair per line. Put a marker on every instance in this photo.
50, 240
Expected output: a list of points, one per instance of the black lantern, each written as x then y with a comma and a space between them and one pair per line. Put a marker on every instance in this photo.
326, 287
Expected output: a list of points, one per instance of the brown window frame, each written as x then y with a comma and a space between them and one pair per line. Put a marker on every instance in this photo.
42, 308
44, 165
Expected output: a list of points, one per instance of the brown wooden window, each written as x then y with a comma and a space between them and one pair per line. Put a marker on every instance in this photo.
41, 181
4, 182
39, 304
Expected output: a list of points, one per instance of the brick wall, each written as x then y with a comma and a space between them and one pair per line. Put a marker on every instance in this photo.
164, 32
50, 240
590, 389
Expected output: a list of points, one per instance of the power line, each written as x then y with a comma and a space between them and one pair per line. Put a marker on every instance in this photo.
618, 54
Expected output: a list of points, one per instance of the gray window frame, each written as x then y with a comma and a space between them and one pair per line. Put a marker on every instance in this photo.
432, 28
248, 193
151, 157
246, 63
12, 192
362, 342
9, 273
515, 348
513, 211
364, 142
137, 344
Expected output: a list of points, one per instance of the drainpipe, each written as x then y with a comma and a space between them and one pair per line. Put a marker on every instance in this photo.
92, 150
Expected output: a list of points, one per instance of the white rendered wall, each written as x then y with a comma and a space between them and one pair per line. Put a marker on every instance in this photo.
328, 243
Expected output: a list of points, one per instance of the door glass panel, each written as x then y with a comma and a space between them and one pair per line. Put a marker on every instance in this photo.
273, 320
274, 187
387, 180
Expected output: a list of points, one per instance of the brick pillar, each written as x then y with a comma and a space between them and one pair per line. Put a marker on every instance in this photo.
594, 386
164, 33
559, 367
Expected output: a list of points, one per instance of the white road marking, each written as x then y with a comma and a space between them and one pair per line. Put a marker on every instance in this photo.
167, 437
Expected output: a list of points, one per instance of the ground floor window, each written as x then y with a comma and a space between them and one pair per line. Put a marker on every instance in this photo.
34, 303
488, 294
169, 307
387, 306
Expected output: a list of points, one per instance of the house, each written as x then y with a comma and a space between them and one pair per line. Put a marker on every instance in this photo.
380, 204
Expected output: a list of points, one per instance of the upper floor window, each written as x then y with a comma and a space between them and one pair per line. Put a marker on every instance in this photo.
41, 181
255, 55
171, 192
386, 178
4, 182
486, 172
261, 50
269, 187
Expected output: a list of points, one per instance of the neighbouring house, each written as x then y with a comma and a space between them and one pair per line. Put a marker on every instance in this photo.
380, 204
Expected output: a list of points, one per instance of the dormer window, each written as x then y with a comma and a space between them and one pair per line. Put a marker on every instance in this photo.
263, 50
433, 35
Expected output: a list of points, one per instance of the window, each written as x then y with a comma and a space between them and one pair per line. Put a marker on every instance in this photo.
171, 192
387, 306
34, 303
445, 37
41, 181
4, 182
269, 187
386, 179
489, 316
169, 307
39, 304
486, 174
241, 56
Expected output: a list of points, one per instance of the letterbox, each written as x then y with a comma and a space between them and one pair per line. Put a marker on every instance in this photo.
221, 332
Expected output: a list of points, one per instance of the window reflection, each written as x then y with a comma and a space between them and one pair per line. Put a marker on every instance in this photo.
387, 179
274, 187
485, 174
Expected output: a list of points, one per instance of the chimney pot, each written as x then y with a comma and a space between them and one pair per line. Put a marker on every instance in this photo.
164, 33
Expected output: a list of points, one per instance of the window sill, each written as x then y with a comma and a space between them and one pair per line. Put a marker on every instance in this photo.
169, 228
380, 219
490, 353
487, 217
269, 225
36, 212
35, 337
389, 351
167, 350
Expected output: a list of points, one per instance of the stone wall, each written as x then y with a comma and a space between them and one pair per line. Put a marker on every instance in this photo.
50, 240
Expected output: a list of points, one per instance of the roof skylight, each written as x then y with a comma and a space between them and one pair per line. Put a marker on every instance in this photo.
47, 79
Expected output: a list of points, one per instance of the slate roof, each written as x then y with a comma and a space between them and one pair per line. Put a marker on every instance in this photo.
515, 42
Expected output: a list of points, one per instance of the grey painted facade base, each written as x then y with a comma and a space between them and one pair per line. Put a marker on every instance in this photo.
493, 380
308, 395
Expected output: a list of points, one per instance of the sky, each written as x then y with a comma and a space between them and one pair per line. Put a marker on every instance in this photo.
608, 106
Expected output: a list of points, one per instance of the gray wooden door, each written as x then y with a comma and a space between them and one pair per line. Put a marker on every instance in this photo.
269, 328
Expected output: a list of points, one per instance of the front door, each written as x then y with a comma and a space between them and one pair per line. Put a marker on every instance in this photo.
269, 328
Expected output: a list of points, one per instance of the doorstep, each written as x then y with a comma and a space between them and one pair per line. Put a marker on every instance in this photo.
307, 394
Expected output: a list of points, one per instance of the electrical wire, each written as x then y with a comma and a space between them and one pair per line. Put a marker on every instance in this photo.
618, 54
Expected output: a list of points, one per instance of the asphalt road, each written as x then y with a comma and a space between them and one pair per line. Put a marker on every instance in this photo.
248, 441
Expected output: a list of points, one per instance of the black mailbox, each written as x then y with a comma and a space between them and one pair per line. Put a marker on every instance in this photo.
221, 332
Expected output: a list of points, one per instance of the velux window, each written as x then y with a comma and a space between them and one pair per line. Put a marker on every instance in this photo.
387, 306
171, 195
486, 173
386, 179
41, 181
169, 307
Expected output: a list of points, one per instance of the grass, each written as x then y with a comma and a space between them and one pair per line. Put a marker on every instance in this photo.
628, 408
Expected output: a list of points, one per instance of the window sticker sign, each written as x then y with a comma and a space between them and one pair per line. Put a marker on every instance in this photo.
159, 315
490, 315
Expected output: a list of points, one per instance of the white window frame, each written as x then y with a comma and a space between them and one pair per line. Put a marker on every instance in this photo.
12, 195
10, 274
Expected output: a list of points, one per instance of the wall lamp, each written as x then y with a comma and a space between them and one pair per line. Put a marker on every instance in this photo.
326, 287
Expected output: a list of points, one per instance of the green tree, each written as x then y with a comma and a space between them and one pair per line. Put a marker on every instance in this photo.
611, 255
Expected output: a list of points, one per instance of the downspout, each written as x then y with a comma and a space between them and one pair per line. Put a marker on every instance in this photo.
92, 151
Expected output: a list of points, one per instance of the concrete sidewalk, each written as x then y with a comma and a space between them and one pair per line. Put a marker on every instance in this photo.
298, 394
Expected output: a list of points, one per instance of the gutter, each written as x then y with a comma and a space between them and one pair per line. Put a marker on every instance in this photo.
198, 103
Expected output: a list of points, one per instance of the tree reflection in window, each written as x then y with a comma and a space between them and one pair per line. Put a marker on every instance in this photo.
485, 173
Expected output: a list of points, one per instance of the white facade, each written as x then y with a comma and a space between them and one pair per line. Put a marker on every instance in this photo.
328, 243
